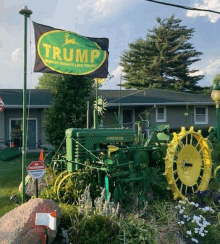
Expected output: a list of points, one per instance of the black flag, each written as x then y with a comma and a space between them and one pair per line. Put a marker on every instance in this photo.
64, 52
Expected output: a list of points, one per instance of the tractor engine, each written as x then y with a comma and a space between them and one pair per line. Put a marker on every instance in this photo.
96, 145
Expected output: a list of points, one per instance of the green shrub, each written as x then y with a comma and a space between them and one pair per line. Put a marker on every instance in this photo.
94, 224
98, 229
199, 221
67, 212
134, 229
216, 153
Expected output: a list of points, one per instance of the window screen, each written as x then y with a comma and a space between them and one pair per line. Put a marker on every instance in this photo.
200, 115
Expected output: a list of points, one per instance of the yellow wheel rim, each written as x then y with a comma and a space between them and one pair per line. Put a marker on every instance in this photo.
60, 176
188, 163
216, 171
62, 184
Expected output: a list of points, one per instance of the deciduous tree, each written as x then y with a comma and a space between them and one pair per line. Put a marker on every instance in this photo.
68, 110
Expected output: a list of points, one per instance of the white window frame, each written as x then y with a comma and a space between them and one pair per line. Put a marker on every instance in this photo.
10, 119
206, 116
133, 116
165, 114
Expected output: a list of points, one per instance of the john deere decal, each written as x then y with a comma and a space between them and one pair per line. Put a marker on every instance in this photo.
65, 52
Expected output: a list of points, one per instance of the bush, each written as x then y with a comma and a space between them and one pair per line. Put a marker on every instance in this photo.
94, 224
67, 212
134, 229
98, 229
199, 221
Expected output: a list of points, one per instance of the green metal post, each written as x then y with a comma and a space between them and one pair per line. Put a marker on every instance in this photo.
26, 12
119, 107
217, 120
106, 187
95, 111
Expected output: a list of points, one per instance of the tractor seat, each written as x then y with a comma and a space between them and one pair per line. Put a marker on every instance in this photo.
160, 128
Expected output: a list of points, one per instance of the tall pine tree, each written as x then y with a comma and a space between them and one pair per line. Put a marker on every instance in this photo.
163, 59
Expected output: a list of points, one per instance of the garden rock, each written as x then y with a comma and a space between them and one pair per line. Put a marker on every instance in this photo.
18, 226
30, 185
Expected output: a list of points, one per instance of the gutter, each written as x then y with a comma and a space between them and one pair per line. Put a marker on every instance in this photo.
160, 104
28, 106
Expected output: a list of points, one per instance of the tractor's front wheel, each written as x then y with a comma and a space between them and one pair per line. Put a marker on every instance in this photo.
188, 163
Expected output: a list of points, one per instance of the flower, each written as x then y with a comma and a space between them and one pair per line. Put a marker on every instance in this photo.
189, 232
196, 230
202, 234
192, 203
195, 240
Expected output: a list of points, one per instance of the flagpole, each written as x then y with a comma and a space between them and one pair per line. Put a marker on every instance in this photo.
26, 12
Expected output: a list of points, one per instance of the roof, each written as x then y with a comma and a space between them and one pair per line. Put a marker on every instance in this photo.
40, 98
153, 96
14, 97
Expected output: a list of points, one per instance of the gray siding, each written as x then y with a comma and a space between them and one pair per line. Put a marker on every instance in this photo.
175, 116
43, 137
109, 118
2, 126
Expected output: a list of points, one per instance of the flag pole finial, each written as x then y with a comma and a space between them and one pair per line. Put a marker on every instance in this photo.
25, 11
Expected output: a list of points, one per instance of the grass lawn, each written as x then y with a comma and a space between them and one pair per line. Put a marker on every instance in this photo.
10, 178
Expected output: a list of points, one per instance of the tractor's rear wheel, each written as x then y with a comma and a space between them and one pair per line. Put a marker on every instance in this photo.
188, 163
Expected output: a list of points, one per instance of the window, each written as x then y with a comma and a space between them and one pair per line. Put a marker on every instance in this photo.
201, 115
161, 114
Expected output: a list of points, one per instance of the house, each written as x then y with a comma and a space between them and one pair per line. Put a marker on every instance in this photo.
11, 117
170, 107
174, 108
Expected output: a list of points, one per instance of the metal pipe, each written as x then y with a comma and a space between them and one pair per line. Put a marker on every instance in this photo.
26, 12
217, 120
95, 110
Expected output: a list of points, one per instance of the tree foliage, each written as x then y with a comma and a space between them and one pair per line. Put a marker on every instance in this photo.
47, 81
216, 80
68, 110
163, 59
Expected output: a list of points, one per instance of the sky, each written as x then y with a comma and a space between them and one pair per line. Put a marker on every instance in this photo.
122, 21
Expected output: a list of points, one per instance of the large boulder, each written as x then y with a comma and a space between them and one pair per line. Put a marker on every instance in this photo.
30, 185
18, 226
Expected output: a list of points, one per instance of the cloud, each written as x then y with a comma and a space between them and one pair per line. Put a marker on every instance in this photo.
117, 72
112, 83
205, 4
103, 7
16, 54
212, 68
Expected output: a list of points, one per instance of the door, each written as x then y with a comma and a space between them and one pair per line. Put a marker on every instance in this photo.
128, 118
16, 129
31, 132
